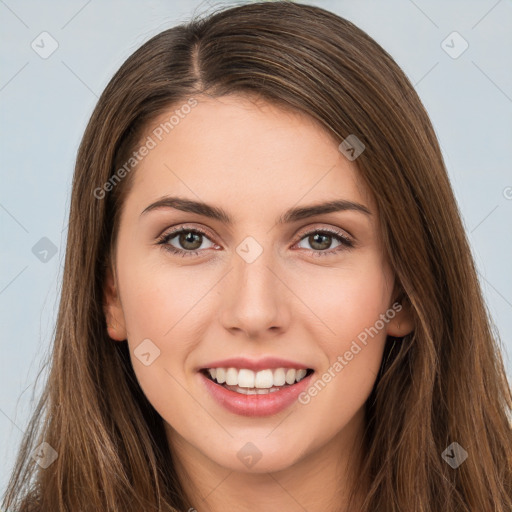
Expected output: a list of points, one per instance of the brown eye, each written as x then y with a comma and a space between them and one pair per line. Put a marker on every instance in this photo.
190, 240
185, 242
321, 242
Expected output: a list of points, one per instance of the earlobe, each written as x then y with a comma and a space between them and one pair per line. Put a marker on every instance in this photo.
402, 323
113, 310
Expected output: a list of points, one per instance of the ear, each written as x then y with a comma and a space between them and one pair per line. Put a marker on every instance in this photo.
403, 321
112, 308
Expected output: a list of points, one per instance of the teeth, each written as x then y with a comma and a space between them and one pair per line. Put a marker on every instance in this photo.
232, 377
221, 375
279, 377
300, 374
252, 391
264, 379
257, 382
245, 378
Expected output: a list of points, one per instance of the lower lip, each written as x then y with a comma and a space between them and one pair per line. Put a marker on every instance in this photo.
256, 405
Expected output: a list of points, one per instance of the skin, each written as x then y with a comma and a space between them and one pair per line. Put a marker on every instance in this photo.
254, 160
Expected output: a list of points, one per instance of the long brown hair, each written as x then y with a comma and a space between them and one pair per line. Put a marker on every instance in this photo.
443, 383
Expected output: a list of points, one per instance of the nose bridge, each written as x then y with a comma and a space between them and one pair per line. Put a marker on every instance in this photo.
254, 297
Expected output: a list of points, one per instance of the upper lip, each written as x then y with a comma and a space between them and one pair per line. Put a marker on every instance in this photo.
255, 364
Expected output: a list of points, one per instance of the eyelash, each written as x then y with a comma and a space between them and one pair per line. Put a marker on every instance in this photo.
345, 242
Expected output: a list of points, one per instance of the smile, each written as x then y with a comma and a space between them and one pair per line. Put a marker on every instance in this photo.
249, 382
267, 387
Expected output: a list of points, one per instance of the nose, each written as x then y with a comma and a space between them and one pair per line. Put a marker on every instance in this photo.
255, 299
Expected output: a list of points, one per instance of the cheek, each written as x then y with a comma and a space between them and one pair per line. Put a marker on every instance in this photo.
345, 300
351, 334
157, 300
163, 319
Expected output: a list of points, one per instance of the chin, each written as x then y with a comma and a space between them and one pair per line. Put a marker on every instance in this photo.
258, 456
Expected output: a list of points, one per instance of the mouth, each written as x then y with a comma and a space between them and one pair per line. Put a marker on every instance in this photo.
248, 382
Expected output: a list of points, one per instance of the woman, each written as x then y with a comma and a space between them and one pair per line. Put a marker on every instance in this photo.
269, 302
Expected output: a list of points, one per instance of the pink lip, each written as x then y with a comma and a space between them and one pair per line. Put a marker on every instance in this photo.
255, 365
255, 405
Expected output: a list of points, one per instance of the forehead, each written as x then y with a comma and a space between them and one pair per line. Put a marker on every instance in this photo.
243, 151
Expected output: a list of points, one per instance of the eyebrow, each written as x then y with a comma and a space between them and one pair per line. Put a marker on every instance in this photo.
290, 216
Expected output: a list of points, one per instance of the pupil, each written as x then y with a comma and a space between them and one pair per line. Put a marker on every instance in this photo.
323, 246
188, 238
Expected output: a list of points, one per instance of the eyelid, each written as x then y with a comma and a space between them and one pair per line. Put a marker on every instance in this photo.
167, 235
183, 227
331, 230
347, 242
302, 233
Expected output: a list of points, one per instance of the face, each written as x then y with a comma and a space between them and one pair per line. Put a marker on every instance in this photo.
291, 305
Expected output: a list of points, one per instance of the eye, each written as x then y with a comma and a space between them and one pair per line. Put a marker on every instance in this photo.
321, 241
189, 241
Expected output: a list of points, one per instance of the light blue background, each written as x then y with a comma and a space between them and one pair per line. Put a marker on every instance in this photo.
45, 104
